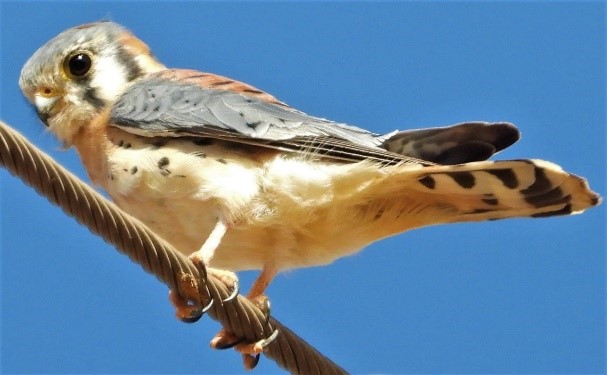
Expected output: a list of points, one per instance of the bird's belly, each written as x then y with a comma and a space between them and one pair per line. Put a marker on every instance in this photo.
284, 241
287, 212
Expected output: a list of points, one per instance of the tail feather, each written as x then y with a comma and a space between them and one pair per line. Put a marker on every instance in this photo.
461, 143
492, 190
374, 203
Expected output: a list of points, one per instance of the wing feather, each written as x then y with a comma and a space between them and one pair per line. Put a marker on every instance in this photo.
162, 105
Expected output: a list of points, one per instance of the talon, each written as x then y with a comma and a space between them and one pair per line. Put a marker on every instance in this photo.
235, 291
229, 279
224, 340
256, 347
224, 346
187, 310
263, 303
193, 318
207, 307
269, 340
250, 361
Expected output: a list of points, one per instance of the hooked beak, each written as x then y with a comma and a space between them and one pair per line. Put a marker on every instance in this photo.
44, 107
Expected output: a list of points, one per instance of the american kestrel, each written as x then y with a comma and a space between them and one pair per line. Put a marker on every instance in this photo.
239, 180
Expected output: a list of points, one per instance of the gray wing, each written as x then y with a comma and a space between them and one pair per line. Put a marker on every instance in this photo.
159, 105
156, 106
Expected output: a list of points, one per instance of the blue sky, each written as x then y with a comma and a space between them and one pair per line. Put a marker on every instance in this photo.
509, 296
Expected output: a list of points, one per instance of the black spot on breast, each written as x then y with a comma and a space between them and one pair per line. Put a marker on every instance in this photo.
134, 170
163, 162
222, 161
127, 145
120, 143
506, 176
428, 182
463, 179
200, 155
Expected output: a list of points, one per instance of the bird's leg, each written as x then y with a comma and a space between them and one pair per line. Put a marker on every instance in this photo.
186, 309
250, 351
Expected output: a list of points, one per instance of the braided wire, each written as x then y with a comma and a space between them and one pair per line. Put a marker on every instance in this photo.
133, 239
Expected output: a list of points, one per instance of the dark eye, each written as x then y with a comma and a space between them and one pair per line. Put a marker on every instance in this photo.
79, 64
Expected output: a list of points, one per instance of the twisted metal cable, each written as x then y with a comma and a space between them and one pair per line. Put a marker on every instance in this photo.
156, 256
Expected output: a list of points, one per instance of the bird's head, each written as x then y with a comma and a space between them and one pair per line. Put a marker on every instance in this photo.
81, 72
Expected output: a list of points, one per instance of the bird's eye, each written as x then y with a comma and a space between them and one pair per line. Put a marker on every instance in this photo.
78, 65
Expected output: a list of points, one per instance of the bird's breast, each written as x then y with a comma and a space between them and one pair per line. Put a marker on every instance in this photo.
289, 211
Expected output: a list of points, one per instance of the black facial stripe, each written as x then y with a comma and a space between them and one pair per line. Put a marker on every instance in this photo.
90, 95
132, 69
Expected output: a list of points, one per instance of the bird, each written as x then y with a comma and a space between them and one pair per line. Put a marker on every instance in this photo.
238, 180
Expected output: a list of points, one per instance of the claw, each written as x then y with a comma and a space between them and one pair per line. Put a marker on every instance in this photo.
194, 314
193, 318
229, 345
269, 340
197, 313
224, 340
207, 307
187, 310
235, 291
257, 347
227, 278
250, 361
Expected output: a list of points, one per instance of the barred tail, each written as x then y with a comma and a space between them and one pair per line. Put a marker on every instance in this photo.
492, 190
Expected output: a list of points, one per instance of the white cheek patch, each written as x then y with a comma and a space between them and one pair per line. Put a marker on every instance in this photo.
109, 78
